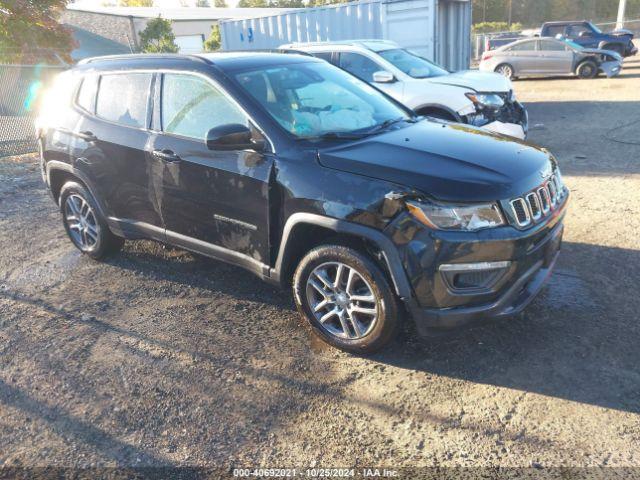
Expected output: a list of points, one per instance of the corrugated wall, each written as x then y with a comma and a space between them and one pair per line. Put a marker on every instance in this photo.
338, 22
453, 39
432, 28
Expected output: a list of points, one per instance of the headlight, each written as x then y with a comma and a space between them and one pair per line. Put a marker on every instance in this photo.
456, 217
486, 100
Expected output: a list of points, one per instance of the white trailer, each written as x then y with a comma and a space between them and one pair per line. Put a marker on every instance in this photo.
439, 30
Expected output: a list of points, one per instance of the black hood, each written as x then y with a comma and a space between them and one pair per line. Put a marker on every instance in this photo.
450, 162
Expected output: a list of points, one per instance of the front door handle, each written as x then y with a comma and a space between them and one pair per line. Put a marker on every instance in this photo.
166, 155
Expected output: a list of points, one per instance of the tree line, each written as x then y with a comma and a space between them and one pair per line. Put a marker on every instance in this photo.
532, 13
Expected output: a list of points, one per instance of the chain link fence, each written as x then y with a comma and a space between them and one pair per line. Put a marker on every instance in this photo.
21, 88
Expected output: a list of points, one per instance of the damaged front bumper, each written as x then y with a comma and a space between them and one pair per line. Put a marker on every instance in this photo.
611, 69
511, 120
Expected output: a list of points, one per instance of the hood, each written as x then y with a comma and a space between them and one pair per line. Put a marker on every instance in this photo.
621, 33
600, 51
475, 80
447, 161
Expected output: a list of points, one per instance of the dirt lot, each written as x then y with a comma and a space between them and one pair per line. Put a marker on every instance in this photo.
158, 357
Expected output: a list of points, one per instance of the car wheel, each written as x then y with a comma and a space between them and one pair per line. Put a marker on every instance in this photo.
505, 70
587, 69
84, 224
346, 298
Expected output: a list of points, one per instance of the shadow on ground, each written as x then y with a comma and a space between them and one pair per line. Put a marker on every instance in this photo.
589, 138
577, 341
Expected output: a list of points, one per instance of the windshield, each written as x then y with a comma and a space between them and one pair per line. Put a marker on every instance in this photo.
595, 29
411, 64
315, 99
572, 44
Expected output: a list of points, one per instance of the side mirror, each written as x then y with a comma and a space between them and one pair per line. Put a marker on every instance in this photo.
232, 136
585, 33
383, 77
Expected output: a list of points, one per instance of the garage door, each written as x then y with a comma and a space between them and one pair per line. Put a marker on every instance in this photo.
189, 43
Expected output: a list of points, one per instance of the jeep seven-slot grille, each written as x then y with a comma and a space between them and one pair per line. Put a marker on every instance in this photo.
537, 204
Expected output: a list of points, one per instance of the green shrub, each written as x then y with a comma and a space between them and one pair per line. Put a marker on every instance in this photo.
490, 27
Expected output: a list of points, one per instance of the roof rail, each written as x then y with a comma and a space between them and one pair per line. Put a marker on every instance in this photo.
355, 41
271, 50
145, 56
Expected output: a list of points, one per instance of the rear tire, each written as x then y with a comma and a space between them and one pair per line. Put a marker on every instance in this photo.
587, 69
346, 299
505, 70
84, 224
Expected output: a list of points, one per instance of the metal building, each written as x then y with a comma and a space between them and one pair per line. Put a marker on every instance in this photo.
436, 29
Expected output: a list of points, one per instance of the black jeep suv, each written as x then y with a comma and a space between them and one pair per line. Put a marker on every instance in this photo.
301, 173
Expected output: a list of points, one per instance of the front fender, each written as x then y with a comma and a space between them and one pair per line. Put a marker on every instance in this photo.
380, 240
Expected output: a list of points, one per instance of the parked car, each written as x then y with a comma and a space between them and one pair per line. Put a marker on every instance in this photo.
587, 35
471, 97
306, 176
550, 57
584, 33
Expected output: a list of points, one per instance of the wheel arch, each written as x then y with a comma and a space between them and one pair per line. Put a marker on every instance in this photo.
590, 59
304, 231
431, 107
58, 173
606, 44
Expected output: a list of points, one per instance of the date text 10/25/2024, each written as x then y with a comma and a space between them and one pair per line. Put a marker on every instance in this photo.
316, 472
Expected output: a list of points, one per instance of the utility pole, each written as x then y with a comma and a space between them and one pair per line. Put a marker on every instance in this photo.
511, 11
621, 10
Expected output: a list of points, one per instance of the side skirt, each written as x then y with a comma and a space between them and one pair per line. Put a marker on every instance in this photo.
137, 230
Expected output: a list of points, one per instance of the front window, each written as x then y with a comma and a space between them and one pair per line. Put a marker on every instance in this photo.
549, 46
577, 30
316, 99
359, 65
191, 106
411, 64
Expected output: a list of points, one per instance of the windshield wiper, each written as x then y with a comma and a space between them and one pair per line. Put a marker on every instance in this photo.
340, 136
387, 123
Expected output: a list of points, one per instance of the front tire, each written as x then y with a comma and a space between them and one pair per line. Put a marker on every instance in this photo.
587, 69
85, 226
346, 298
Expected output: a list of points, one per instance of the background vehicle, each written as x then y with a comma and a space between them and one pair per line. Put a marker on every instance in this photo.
550, 57
306, 176
587, 35
583, 33
471, 97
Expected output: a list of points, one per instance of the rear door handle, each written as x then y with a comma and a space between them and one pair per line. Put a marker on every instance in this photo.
87, 135
166, 156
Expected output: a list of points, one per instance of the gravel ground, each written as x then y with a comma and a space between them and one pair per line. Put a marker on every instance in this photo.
158, 357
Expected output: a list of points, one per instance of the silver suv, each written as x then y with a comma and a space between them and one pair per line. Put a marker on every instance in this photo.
481, 99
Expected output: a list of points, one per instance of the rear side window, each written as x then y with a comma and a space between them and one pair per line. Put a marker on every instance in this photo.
523, 47
87, 94
191, 106
323, 55
123, 98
